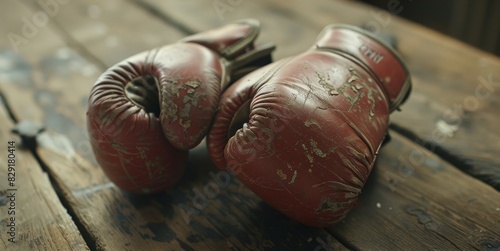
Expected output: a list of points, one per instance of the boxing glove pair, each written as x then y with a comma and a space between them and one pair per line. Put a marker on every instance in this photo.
302, 133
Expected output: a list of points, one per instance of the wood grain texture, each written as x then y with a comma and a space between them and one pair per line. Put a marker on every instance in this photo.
199, 214
277, 27
47, 80
39, 219
414, 200
110, 31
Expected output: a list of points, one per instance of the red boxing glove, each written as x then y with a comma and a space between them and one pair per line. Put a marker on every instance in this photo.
145, 112
303, 133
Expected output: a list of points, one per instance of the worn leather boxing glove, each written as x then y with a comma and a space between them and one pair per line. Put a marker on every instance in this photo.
145, 112
303, 133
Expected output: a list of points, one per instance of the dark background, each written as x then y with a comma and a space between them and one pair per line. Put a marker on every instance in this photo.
476, 22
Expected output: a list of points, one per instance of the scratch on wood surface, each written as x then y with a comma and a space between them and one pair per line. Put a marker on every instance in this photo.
92, 189
445, 128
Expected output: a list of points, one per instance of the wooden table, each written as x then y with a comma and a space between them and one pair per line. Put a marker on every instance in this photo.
434, 186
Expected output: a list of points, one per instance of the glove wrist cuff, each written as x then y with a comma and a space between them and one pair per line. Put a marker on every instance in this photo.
229, 41
248, 62
374, 55
234, 43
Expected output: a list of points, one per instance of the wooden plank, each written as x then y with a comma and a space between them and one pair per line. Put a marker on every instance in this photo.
453, 107
234, 219
198, 214
46, 80
110, 31
430, 206
30, 211
276, 24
